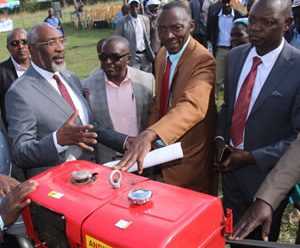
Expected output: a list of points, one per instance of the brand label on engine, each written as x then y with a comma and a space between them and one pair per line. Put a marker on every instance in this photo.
95, 243
55, 194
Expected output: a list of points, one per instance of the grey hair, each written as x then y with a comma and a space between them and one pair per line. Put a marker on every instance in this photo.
32, 36
12, 32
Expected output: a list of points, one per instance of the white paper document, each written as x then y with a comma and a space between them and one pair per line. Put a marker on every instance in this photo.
156, 157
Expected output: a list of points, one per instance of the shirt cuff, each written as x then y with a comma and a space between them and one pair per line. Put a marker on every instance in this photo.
59, 148
124, 144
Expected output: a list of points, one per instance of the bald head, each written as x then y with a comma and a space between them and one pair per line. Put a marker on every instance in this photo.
282, 6
116, 41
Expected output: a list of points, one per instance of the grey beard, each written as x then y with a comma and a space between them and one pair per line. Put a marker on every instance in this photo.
58, 68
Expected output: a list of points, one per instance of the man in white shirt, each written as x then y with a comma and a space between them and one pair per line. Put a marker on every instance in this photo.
15, 65
136, 29
261, 113
47, 113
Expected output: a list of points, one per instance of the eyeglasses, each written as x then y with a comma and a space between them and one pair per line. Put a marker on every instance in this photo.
52, 43
16, 43
113, 57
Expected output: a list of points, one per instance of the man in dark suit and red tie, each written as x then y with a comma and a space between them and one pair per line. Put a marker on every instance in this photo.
15, 65
261, 113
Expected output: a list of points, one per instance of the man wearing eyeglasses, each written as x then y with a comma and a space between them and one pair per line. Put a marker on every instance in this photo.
119, 95
47, 113
15, 65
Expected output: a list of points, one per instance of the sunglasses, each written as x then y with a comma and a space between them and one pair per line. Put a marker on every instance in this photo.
16, 43
113, 57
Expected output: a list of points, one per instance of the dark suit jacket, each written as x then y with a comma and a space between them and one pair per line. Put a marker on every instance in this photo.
213, 23
8, 75
36, 110
274, 120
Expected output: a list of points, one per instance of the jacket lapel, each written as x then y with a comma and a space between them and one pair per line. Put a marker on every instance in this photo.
279, 70
138, 97
44, 87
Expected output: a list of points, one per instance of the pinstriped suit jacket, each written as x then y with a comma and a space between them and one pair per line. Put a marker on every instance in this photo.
143, 87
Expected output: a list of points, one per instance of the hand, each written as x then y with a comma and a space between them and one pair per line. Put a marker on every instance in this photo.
137, 149
237, 158
14, 202
7, 184
69, 134
259, 213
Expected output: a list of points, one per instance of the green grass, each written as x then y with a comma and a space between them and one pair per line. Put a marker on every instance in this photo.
81, 58
80, 50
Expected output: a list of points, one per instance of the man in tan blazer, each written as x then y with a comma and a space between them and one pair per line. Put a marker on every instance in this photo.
274, 189
189, 114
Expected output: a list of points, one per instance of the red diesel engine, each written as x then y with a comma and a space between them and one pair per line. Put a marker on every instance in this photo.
77, 206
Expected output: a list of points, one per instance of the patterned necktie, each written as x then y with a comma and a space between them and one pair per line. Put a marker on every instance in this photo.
64, 92
242, 104
164, 94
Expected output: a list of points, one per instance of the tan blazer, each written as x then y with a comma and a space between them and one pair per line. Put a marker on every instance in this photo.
282, 177
190, 119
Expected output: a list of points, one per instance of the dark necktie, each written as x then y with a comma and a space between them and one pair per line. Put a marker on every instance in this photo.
242, 104
64, 92
164, 94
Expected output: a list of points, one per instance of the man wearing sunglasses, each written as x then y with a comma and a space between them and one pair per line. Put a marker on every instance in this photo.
15, 65
119, 95
47, 113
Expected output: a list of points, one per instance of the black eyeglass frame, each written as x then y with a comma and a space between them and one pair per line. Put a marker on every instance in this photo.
16, 43
113, 57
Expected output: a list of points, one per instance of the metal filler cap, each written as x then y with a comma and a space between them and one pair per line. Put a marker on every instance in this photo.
139, 196
81, 177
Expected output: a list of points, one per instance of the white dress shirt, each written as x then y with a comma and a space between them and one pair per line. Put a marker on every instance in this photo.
19, 69
263, 71
139, 34
80, 106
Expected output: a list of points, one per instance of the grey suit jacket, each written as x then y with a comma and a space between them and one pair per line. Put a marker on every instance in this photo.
143, 86
126, 29
282, 177
34, 111
274, 120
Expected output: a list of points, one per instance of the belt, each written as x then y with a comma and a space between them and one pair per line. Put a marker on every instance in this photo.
140, 52
224, 47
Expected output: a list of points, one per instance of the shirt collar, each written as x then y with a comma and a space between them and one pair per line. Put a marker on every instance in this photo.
16, 65
45, 74
174, 58
269, 58
127, 79
231, 14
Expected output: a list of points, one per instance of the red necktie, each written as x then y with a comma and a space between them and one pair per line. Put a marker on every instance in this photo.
164, 94
242, 104
64, 92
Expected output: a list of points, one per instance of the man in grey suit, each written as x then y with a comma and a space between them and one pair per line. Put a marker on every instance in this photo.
47, 113
261, 113
119, 95
271, 193
136, 29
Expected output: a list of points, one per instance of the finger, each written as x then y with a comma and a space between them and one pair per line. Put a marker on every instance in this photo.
266, 230
247, 228
84, 128
2, 194
24, 203
86, 147
72, 118
89, 135
123, 162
